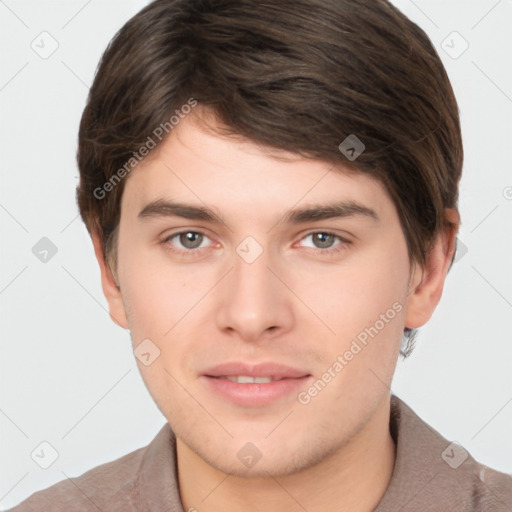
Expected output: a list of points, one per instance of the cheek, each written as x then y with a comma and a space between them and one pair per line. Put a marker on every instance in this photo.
365, 307
149, 309
156, 294
352, 296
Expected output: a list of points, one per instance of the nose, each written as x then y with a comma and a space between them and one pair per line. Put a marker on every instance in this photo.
253, 302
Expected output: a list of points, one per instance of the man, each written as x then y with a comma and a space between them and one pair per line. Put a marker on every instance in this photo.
271, 191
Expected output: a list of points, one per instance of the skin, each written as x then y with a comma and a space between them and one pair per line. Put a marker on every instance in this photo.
291, 305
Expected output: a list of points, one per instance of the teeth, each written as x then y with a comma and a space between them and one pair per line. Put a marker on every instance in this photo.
246, 379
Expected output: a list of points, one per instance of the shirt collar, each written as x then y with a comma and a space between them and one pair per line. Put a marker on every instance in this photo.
420, 470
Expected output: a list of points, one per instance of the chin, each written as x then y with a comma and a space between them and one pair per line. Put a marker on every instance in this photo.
263, 459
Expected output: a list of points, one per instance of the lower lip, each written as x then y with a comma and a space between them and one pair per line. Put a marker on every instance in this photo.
257, 394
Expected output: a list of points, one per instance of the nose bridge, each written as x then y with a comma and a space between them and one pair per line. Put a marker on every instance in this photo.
250, 273
254, 300
251, 284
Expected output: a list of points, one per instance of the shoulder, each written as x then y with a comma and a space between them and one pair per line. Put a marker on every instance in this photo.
474, 487
91, 491
492, 490
111, 486
432, 473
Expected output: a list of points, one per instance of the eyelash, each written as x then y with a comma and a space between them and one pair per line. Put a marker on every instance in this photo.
198, 251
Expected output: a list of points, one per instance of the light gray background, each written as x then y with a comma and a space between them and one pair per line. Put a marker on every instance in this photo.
68, 375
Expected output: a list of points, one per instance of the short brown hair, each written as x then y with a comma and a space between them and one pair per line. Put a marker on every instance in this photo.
297, 75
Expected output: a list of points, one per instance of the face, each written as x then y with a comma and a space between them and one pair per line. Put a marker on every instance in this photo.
268, 294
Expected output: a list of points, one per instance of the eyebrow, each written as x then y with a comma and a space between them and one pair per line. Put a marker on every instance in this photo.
339, 209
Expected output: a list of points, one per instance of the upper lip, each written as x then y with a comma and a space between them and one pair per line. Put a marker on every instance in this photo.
268, 369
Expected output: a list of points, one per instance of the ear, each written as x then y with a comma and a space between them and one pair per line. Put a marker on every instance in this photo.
427, 282
111, 289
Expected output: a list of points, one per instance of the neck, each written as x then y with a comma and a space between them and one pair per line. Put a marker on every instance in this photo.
355, 477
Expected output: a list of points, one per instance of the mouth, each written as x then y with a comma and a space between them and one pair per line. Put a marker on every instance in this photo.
247, 379
254, 385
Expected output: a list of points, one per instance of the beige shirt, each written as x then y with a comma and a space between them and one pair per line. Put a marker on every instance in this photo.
430, 475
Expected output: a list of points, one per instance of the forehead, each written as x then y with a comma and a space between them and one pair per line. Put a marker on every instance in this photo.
198, 165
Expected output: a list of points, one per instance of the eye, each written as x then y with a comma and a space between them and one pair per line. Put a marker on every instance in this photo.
187, 241
324, 242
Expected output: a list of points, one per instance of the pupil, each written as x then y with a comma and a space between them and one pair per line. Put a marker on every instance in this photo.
324, 239
190, 239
